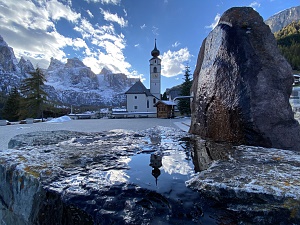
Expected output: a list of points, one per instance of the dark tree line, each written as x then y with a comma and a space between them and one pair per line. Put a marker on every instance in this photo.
29, 102
11, 107
288, 40
184, 103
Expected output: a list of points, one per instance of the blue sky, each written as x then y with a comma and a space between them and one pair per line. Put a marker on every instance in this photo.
118, 34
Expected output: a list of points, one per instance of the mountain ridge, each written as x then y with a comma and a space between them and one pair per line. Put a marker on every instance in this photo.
70, 83
283, 18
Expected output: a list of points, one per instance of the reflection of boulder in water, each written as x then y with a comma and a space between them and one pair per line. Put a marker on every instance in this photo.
205, 152
155, 139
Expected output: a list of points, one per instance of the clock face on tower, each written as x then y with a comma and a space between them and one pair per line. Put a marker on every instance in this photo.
155, 75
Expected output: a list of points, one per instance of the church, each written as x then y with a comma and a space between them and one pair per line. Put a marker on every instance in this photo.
139, 99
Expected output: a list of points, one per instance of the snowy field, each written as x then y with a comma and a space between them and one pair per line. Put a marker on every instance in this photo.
91, 125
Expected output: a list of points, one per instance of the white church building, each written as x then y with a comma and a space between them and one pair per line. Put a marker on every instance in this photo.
139, 99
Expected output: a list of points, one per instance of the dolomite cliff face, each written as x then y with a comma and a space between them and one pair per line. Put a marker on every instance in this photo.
242, 85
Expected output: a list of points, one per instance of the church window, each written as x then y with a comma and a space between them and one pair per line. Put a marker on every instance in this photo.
154, 61
135, 107
154, 100
135, 97
155, 70
147, 104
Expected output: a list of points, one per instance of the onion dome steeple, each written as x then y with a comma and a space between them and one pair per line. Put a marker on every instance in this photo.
155, 52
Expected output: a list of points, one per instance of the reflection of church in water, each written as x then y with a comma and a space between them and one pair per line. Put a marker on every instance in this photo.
156, 163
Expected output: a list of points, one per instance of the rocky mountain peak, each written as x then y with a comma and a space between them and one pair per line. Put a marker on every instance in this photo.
8, 61
25, 65
55, 64
74, 63
105, 71
2, 42
283, 18
72, 83
22, 60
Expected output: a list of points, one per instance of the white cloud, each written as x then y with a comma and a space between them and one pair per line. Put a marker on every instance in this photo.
57, 10
135, 74
143, 26
215, 23
79, 43
94, 1
85, 28
114, 18
30, 28
255, 5
90, 13
176, 44
136, 45
114, 60
125, 12
109, 47
114, 2
173, 62
155, 31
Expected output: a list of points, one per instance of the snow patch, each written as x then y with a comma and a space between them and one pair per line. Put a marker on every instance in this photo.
60, 119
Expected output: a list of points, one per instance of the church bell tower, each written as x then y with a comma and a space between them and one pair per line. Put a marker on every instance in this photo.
155, 72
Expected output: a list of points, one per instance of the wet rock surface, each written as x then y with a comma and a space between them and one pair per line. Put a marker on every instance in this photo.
242, 85
125, 177
262, 184
101, 178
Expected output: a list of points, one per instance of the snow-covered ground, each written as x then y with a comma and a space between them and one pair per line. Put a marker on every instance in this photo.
60, 119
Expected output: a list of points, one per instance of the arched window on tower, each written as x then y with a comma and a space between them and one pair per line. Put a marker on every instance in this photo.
154, 100
155, 70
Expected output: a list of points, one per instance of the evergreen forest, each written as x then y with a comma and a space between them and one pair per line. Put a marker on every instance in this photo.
288, 40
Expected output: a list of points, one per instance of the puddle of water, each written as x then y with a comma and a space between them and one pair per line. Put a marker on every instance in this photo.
147, 186
166, 179
166, 174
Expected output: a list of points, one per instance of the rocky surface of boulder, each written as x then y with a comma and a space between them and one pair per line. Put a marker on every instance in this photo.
66, 177
242, 84
106, 178
251, 180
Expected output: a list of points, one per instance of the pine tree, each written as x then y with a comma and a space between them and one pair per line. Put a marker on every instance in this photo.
34, 95
184, 103
164, 96
12, 106
3, 99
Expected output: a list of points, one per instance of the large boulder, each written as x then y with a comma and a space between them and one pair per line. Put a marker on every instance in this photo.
242, 85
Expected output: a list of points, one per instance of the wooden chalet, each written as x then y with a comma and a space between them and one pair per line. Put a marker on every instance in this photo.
165, 109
